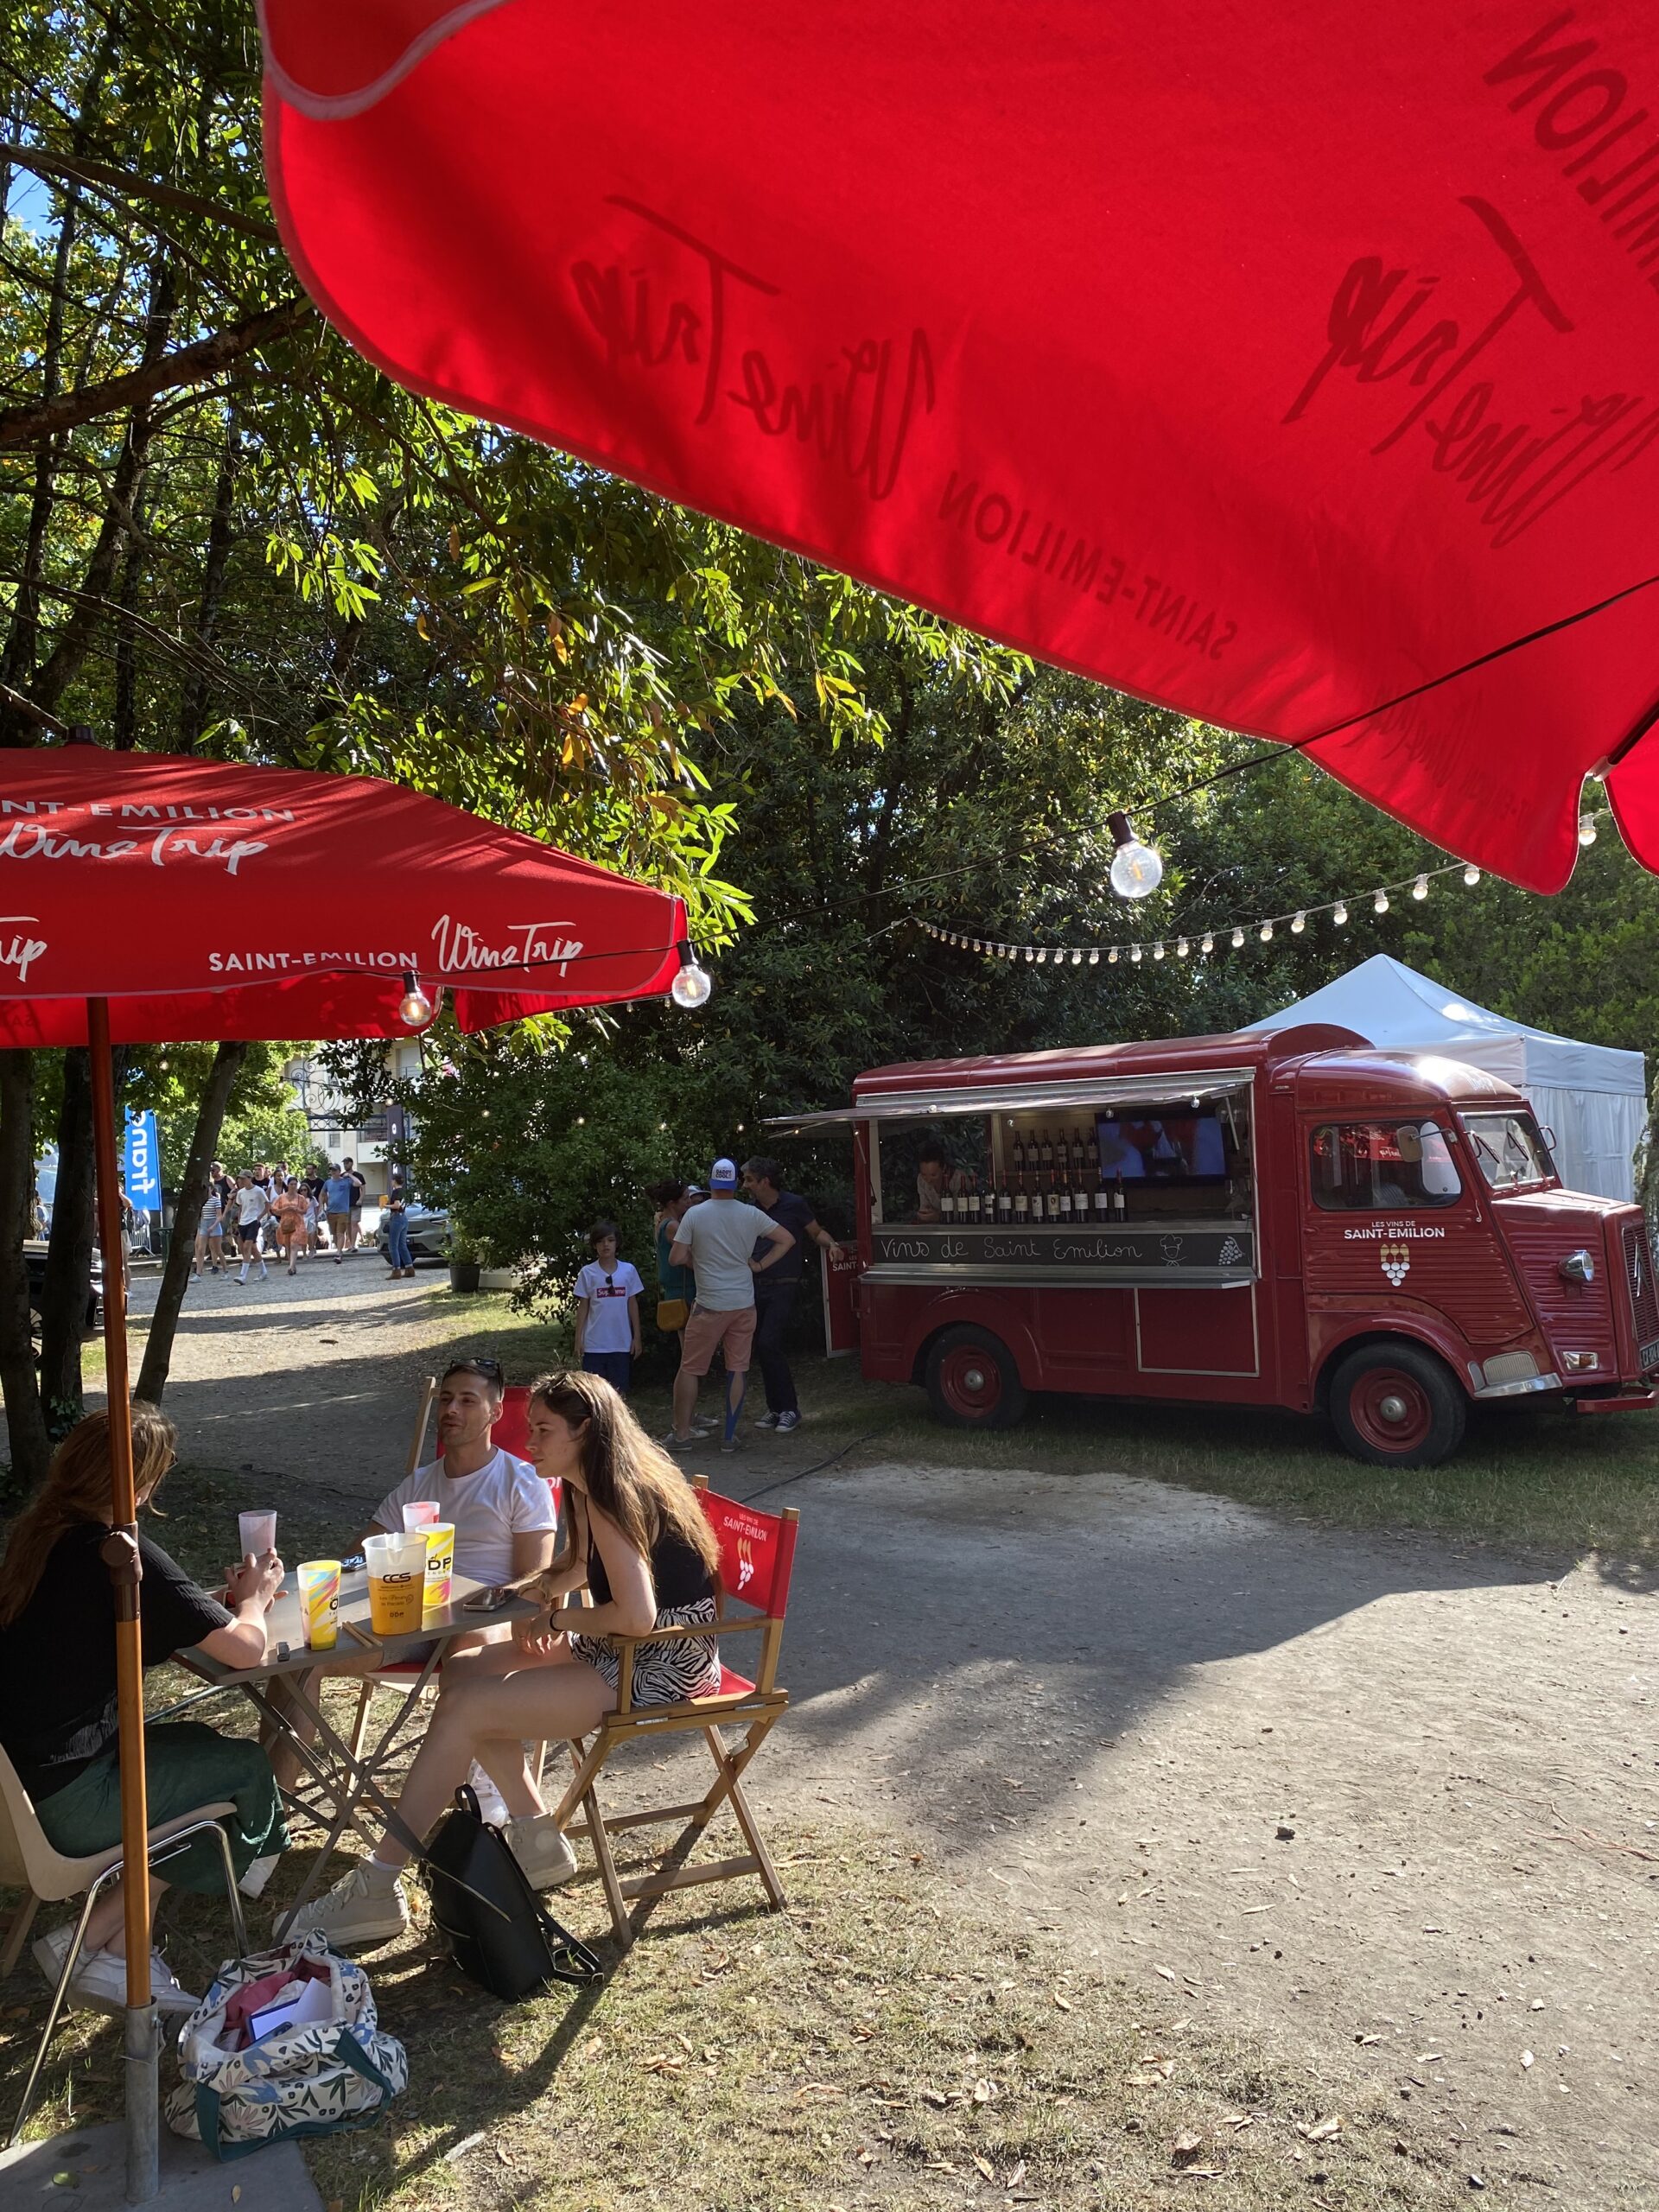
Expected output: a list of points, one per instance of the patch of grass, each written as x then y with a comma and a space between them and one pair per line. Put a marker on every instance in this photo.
871, 2047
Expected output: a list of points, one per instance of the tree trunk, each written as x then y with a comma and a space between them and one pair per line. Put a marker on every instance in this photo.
193, 1192
69, 1254
193, 695
25, 1423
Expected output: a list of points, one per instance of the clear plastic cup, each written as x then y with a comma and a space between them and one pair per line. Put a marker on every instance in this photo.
421, 1513
257, 1533
397, 1582
440, 1564
319, 1583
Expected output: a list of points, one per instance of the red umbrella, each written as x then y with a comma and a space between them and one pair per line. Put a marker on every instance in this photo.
1282, 366
145, 899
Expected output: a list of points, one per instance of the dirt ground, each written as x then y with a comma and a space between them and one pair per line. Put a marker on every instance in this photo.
1378, 1799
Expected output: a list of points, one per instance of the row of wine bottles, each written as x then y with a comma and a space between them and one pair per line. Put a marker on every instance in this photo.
1015, 1206
1036, 1150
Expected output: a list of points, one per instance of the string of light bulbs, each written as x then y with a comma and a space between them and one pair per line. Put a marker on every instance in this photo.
1233, 936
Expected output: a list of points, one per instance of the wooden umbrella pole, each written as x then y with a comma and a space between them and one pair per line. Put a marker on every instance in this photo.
123, 1569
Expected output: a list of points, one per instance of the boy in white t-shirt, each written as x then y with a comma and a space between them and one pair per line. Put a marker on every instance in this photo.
609, 1291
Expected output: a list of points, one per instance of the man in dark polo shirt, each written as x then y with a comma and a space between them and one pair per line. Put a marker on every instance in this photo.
776, 1290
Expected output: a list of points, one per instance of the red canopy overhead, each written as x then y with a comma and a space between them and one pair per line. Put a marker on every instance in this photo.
211, 901
1273, 364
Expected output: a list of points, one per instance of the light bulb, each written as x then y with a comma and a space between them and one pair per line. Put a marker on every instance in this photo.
1340, 913
1207, 944
1157, 951
1419, 889
1093, 957
1077, 960
1111, 958
1587, 836
1380, 904
1181, 948
1267, 932
1134, 952
414, 1008
1298, 924
1472, 876
1238, 938
692, 987
1136, 869
1031, 954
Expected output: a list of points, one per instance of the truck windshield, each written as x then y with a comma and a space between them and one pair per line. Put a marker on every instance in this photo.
1510, 1149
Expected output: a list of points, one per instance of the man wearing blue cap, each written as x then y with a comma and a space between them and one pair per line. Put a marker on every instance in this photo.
716, 1239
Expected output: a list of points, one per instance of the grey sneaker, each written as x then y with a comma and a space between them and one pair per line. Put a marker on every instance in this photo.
769, 1420
731, 1444
354, 1911
544, 1853
671, 1440
788, 1422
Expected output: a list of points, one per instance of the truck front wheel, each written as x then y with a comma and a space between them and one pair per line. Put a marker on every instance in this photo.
1397, 1406
972, 1381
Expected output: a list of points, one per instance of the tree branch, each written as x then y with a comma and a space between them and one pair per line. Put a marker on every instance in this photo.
140, 187
45, 418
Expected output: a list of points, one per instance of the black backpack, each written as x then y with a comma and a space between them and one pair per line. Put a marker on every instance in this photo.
501, 1936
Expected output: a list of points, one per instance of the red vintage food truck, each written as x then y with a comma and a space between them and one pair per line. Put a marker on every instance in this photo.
1276, 1218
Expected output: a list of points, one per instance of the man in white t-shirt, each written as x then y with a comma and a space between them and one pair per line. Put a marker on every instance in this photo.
718, 1239
502, 1512
501, 1508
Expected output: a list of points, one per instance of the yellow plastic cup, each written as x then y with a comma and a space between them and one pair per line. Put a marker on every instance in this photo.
318, 1581
440, 1564
397, 1582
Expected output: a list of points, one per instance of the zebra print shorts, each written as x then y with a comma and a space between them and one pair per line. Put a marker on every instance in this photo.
663, 1672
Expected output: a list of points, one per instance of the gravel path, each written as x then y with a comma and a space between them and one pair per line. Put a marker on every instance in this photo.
1395, 1804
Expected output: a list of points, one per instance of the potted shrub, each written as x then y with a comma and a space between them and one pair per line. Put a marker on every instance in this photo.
465, 1263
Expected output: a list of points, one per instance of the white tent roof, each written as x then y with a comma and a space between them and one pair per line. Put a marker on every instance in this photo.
1593, 1096
1395, 1006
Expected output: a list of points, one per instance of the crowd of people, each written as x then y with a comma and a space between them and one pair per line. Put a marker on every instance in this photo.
731, 1258
632, 1536
264, 1210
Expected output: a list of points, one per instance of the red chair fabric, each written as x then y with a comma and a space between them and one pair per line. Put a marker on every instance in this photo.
757, 1552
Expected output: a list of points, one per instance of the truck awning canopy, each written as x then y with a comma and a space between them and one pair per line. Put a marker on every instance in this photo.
1195, 1084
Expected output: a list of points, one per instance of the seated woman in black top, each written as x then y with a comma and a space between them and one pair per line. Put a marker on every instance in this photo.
57, 1695
639, 1541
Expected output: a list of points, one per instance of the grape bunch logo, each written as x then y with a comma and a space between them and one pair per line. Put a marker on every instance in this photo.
1396, 1262
745, 1564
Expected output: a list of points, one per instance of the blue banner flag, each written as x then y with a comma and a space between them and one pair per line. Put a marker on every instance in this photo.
144, 1162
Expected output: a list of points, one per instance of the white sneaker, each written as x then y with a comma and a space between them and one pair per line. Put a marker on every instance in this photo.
100, 1979
492, 1805
353, 1911
543, 1851
252, 1884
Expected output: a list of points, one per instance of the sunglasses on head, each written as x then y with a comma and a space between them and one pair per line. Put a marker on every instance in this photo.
491, 1369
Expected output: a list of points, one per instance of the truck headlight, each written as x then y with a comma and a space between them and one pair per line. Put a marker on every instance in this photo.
1577, 1267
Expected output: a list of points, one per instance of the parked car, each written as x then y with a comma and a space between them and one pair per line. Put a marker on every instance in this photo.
429, 1230
35, 1249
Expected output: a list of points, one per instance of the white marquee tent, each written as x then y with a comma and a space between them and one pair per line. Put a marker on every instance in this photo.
1594, 1098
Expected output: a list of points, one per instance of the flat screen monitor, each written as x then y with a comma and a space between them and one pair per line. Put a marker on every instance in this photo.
1160, 1147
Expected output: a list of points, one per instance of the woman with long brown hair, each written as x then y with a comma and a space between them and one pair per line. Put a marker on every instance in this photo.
58, 1722
638, 1542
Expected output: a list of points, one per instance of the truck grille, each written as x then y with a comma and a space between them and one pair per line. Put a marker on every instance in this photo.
1644, 1292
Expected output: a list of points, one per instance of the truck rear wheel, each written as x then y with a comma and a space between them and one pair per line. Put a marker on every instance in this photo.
972, 1381
1397, 1406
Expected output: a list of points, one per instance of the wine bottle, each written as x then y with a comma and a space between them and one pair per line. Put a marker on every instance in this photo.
947, 1206
1046, 1152
1065, 1204
1092, 1151
1004, 1206
1063, 1152
1118, 1206
1018, 1153
1022, 1202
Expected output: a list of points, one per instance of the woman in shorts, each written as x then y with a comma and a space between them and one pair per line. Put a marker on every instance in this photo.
210, 1235
639, 1543
251, 1205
